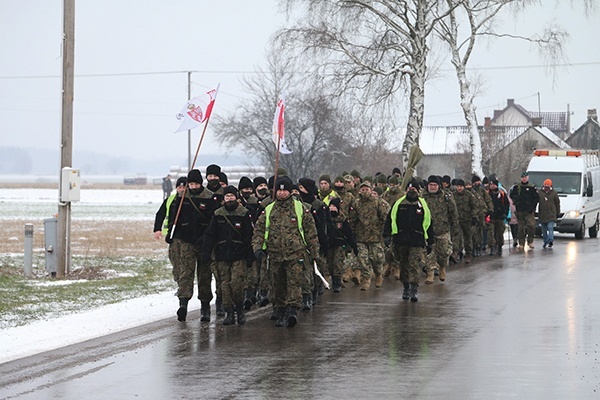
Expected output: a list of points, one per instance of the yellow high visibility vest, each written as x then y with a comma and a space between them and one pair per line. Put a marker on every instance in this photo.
298, 208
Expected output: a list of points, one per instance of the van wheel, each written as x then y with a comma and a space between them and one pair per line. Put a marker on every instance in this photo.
594, 229
581, 233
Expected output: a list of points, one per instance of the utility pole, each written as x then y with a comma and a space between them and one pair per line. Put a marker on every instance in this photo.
189, 74
66, 142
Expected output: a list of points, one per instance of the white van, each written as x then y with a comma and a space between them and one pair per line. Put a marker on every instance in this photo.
575, 176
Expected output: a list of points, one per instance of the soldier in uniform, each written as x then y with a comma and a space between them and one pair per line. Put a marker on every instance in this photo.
497, 225
340, 240
485, 212
326, 193
466, 205
346, 197
367, 218
229, 234
444, 219
286, 234
525, 196
186, 239
407, 230
391, 196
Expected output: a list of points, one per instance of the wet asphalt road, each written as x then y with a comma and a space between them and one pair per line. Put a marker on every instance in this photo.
523, 326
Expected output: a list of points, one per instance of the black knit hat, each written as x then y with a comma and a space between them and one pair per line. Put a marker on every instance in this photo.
434, 179
396, 170
181, 181
213, 169
223, 178
284, 183
475, 179
485, 180
447, 179
258, 180
309, 185
194, 176
244, 183
232, 190
414, 182
336, 201
460, 182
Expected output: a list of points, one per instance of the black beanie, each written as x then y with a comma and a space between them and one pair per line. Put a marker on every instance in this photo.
232, 190
213, 169
245, 182
475, 179
284, 183
181, 181
194, 176
434, 179
396, 170
223, 178
336, 201
309, 185
414, 182
460, 182
258, 180
447, 179
485, 180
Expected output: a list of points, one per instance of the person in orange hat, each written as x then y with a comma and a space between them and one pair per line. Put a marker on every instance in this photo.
549, 210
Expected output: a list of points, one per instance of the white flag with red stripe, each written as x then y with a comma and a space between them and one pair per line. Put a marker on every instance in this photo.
197, 110
278, 126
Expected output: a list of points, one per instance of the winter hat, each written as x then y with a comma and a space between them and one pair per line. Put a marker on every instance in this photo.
339, 178
434, 179
258, 180
213, 169
194, 176
232, 190
460, 182
181, 181
355, 173
223, 178
309, 185
524, 174
367, 184
548, 182
485, 180
368, 179
284, 183
336, 201
325, 178
378, 190
394, 180
396, 170
475, 179
271, 181
414, 183
244, 183
447, 179
281, 172
381, 178
494, 181
348, 178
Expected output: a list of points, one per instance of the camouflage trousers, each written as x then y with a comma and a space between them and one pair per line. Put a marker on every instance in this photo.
232, 276
252, 273
526, 223
185, 260
477, 234
467, 236
288, 277
458, 240
495, 235
308, 284
409, 259
370, 259
336, 258
442, 248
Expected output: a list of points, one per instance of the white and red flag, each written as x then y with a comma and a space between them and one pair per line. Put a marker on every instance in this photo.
278, 126
197, 110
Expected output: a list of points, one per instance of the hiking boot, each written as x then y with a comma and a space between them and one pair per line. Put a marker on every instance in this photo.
230, 317
282, 320
248, 294
468, 258
499, 252
454, 257
365, 284
406, 291
241, 314
306, 301
337, 284
274, 315
356, 277
219, 307
413, 292
550, 244
442, 274
263, 297
430, 277
292, 317
378, 280
388, 270
182, 310
205, 310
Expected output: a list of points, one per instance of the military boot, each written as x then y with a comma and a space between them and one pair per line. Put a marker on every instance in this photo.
365, 284
492, 251
205, 310
387, 271
248, 294
274, 314
378, 280
282, 319
499, 251
406, 291
241, 314
263, 297
397, 273
356, 276
182, 310
430, 277
219, 307
442, 274
230, 318
337, 284
306, 301
413, 292
292, 316
468, 258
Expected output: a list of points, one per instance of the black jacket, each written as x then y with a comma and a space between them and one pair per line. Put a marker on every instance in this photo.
195, 215
229, 234
525, 196
409, 220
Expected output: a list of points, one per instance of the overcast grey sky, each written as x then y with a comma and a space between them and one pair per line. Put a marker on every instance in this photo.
131, 56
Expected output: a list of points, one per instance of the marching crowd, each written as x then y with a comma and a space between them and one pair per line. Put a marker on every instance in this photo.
273, 241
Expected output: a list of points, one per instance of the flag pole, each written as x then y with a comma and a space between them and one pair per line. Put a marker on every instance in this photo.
276, 164
192, 167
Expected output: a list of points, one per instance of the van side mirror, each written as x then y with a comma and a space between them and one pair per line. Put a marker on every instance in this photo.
589, 192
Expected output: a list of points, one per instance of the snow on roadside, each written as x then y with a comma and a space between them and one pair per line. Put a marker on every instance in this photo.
41, 336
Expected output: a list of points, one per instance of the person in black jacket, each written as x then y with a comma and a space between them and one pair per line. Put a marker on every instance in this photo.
185, 236
340, 240
229, 234
498, 216
525, 197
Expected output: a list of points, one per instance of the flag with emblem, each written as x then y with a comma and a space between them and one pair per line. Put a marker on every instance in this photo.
197, 110
279, 126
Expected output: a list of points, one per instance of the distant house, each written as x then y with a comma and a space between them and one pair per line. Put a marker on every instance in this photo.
516, 115
447, 151
587, 136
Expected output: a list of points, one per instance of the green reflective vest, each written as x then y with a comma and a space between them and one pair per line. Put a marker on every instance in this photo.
298, 208
426, 216
165, 228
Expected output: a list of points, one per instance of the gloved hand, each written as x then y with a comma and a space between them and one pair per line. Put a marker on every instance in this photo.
260, 255
387, 241
557, 216
474, 221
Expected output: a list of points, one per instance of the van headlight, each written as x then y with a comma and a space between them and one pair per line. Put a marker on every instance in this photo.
571, 214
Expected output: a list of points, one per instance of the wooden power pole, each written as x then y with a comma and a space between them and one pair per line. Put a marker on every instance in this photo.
66, 141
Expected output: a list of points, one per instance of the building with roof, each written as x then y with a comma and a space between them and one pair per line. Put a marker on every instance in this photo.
587, 136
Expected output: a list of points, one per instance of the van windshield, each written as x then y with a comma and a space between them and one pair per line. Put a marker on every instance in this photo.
563, 182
